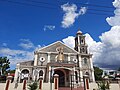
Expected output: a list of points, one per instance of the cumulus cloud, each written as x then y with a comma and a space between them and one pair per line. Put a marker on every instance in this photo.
16, 56
110, 55
106, 52
49, 27
71, 13
26, 44
69, 41
115, 20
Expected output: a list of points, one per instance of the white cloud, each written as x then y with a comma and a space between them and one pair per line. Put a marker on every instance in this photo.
106, 53
16, 56
71, 13
110, 55
49, 27
115, 20
26, 44
69, 41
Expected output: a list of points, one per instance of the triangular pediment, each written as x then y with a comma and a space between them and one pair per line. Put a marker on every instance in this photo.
53, 48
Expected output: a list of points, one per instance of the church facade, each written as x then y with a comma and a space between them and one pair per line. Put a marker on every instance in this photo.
58, 58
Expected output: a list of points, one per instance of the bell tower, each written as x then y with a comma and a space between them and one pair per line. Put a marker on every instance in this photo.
80, 44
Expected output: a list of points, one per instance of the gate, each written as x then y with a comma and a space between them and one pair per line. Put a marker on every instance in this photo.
70, 85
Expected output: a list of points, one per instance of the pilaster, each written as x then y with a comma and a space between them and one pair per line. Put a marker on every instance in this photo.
91, 65
35, 59
49, 57
80, 67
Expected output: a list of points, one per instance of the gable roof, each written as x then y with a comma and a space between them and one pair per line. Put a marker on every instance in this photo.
52, 48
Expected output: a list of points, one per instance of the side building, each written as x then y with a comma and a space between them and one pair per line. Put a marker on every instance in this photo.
58, 58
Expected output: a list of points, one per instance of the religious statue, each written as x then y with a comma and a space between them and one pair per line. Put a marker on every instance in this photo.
60, 56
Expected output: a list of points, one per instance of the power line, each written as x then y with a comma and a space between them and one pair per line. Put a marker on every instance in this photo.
79, 7
28, 4
87, 4
48, 7
43, 2
58, 5
99, 14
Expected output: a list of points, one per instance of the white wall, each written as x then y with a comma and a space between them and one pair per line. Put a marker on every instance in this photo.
3, 85
46, 86
113, 86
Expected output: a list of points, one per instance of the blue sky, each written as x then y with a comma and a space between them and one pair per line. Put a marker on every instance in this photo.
26, 25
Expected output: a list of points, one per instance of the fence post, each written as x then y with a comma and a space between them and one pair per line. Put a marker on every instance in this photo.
86, 82
9, 78
41, 83
56, 80
24, 83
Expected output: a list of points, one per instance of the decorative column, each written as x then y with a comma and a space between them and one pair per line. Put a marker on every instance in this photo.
9, 78
35, 58
35, 74
68, 58
86, 82
78, 44
24, 83
17, 71
80, 65
56, 81
91, 66
49, 57
74, 79
49, 73
41, 83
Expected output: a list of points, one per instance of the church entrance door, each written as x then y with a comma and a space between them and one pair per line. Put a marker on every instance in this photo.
61, 77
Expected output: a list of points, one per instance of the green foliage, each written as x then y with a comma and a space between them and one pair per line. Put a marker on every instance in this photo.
98, 73
11, 71
33, 86
4, 65
103, 85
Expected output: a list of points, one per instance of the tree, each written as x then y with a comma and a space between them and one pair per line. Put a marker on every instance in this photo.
4, 65
103, 85
98, 73
33, 86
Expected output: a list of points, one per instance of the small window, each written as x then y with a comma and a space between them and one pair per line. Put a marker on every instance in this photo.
87, 73
41, 73
85, 60
83, 50
82, 41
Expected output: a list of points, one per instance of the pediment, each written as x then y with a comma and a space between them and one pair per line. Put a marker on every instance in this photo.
53, 48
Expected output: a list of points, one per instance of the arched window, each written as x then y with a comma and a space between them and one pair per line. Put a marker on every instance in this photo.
41, 73
25, 71
24, 74
82, 41
87, 73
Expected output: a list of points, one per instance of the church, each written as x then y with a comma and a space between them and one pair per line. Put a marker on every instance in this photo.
58, 58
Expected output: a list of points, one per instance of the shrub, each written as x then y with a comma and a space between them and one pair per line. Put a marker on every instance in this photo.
33, 86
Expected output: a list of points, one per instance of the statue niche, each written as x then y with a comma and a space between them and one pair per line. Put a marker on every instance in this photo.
60, 56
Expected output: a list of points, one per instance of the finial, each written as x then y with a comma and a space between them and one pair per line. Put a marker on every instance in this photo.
79, 32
